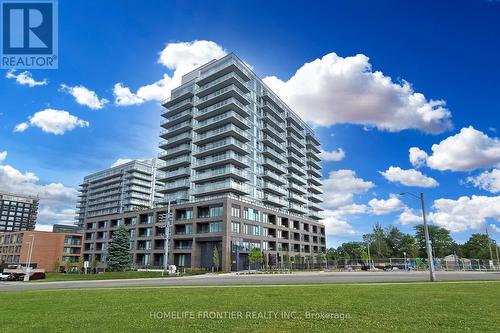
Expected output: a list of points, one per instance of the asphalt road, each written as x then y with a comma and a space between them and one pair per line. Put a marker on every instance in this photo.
254, 279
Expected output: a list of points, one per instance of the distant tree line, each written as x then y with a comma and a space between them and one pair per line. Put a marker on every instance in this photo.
390, 242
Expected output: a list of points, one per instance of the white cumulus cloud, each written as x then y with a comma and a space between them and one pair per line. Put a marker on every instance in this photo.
181, 58
465, 213
385, 206
334, 155
84, 96
52, 121
334, 90
3, 155
488, 180
335, 226
57, 202
25, 78
410, 177
408, 216
465, 151
418, 157
341, 186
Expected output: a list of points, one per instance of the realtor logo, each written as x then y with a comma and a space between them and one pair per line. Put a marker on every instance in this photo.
29, 34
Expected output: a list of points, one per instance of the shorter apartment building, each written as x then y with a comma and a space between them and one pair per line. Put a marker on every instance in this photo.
125, 187
231, 224
17, 212
48, 247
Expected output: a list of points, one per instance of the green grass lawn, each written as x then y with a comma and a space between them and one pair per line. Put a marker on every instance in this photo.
424, 307
107, 276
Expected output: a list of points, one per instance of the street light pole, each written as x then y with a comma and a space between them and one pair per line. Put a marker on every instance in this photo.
426, 232
28, 264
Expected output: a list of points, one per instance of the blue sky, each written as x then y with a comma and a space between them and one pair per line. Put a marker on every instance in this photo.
364, 105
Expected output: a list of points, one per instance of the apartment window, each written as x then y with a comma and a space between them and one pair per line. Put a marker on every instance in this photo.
256, 230
235, 211
247, 229
184, 214
265, 218
251, 214
265, 245
265, 232
210, 211
235, 227
215, 226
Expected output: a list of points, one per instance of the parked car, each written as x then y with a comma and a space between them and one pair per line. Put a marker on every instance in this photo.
37, 276
9, 277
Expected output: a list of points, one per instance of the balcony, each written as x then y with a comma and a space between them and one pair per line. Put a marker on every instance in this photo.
274, 189
174, 151
274, 166
269, 118
223, 66
171, 120
295, 208
314, 189
221, 132
274, 200
182, 160
292, 147
220, 146
313, 163
271, 142
221, 107
221, 94
296, 159
313, 154
175, 186
221, 187
269, 175
314, 206
272, 131
178, 107
225, 172
176, 129
296, 140
297, 198
296, 168
176, 140
229, 157
270, 152
223, 81
177, 95
297, 179
314, 197
313, 171
297, 130
179, 173
311, 138
313, 147
222, 119
313, 180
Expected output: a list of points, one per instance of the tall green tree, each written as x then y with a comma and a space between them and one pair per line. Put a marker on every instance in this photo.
477, 247
379, 247
80, 264
255, 256
442, 243
215, 258
118, 257
410, 246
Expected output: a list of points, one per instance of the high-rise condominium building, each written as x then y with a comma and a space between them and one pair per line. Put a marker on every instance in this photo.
17, 212
240, 169
126, 187
226, 133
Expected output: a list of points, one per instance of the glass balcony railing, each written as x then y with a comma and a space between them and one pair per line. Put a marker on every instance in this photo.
225, 115
227, 155
219, 130
220, 171
220, 143
223, 103
228, 184
280, 168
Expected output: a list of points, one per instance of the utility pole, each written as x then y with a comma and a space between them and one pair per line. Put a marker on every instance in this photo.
426, 232
429, 250
369, 257
28, 264
489, 243
167, 238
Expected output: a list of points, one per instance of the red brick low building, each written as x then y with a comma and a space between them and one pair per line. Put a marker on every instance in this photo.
48, 247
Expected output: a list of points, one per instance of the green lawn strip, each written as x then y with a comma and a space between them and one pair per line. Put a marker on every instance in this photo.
440, 307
